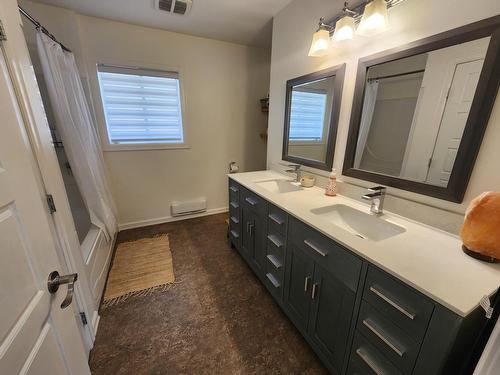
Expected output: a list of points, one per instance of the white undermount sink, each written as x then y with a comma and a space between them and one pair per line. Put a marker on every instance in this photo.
279, 186
363, 225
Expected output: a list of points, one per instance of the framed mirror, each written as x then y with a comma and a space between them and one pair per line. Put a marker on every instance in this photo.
420, 111
311, 117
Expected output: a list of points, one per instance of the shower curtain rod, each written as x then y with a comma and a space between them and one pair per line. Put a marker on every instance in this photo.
41, 28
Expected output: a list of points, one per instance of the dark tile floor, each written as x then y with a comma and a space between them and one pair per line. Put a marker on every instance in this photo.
217, 319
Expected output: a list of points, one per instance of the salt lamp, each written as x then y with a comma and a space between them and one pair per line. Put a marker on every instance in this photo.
481, 230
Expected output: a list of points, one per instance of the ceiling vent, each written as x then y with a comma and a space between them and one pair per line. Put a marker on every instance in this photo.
181, 7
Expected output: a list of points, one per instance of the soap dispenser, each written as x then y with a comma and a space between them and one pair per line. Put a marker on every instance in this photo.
331, 186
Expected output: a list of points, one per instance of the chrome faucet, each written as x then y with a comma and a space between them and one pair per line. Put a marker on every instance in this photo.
376, 195
296, 170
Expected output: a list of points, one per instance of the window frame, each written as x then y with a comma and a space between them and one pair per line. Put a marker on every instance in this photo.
107, 145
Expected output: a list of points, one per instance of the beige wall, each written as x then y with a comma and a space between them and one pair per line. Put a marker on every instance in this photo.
222, 84
412, 20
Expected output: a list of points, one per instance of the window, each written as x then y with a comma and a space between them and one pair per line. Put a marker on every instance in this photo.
141, 106
307, 115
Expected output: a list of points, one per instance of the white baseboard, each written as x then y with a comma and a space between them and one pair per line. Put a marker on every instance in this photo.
167, 219
95, 322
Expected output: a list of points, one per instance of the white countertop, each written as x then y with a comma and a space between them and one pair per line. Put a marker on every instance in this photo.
429, 260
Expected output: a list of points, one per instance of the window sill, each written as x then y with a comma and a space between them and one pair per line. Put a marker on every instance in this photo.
145, 147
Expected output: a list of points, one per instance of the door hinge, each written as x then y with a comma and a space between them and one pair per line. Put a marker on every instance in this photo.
3, 36
51, 204
83, 317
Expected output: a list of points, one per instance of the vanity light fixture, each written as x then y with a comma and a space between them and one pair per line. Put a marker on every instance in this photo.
370, 16
344, 27
374, 19
321, 40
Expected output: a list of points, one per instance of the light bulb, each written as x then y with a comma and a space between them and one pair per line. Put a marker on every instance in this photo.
374, 19
320, 43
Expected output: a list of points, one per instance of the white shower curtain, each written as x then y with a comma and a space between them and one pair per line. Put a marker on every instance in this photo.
369, 101
79, 135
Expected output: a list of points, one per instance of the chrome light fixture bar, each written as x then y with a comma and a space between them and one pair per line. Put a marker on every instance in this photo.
370, 16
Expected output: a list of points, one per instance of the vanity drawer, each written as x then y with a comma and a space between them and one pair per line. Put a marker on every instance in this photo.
402, 305
365, 359
389, 339
234, 212
344, 265
234, 235
277, 219
253, 201
276, 241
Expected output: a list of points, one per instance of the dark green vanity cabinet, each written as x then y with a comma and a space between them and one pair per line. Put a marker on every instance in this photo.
356, 317
320, 290
253, 230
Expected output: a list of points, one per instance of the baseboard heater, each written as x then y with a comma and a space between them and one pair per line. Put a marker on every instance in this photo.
195, 206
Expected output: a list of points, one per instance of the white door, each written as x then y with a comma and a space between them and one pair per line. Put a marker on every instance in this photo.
36, 335
455, 116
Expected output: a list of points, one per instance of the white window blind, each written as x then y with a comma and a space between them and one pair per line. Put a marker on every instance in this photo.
307, 115
141, 105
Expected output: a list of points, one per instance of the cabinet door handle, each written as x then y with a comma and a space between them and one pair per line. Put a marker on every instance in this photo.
315, 288
383, 338
275, 219
251, 201
369, 362
251, 228
316, 248
306, 283
392, 303
234, 189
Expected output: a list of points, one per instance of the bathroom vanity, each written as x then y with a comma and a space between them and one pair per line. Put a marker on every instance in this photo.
370, 294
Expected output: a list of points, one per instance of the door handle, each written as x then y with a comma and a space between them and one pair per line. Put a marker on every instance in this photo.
306, 283
314, 290
251, 227
55, 280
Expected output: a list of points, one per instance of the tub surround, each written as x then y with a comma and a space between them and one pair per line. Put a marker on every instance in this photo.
427, 259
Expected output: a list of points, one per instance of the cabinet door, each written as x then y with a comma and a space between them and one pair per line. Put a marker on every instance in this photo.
247, 240
298, 284
332, 307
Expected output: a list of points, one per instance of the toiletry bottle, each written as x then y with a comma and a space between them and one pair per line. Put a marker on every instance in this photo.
331, 186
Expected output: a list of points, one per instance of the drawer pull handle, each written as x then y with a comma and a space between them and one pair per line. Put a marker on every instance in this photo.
234, 220
383, 338
235, 234
274, 240
234, 189
234, 204
276, 219
306, 283
273, 280
274, 261
251, 201
315, 248
369, 362
392, 303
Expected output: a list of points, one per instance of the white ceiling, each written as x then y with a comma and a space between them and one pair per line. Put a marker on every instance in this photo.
241, 21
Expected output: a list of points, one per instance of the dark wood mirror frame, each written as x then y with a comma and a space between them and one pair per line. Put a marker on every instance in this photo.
337, 71
477, 121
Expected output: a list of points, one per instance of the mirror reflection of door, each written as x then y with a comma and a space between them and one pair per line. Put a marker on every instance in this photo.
415, 110
310, 111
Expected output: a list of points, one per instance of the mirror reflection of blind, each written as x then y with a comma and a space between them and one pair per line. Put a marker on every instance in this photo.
141, 106
307, 115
